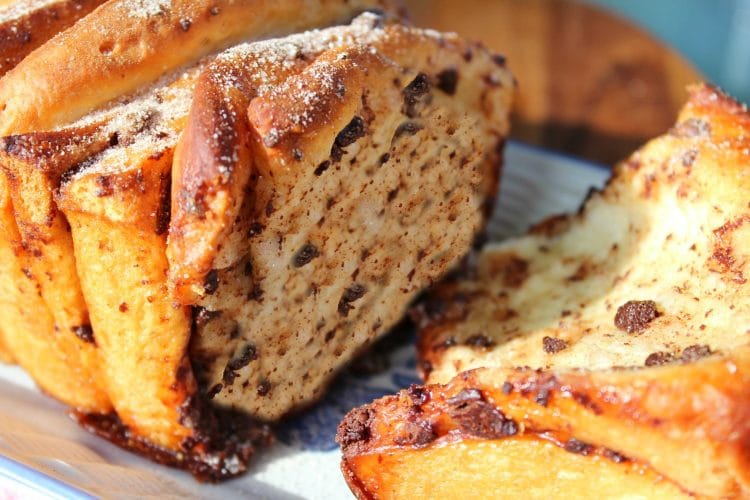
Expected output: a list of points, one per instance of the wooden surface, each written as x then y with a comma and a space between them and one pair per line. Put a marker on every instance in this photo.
590, 83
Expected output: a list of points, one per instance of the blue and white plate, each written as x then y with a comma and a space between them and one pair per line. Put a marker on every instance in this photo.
43, 453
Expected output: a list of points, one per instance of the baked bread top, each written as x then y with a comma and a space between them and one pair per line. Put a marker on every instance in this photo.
652, 269
27, 24
109, 54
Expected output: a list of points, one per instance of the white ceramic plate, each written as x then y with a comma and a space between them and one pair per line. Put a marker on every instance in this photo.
43, 453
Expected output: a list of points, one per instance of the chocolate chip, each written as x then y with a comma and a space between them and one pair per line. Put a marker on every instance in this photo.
614, 456
185, 24
694, 353
351, 294
413, 93
479, 418
447, 81
635, 315
263, 388
211, 284
579, 447
85, 333
480, 340
349, 135
306, 254
407, 128
465, 396
553, 345
249, 353
418, 434
418, 394
214, 391
322, 168
659, 358
499, 59
255, 229
201, 315
542, 397
256, 294
355, 427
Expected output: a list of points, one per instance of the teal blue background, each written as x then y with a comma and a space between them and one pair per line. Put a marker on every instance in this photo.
713, 34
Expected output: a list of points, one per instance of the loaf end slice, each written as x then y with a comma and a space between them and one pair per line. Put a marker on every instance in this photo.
361, 180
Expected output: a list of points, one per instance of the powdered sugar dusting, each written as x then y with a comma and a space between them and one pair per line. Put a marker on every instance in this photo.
282, 54
144, 9
268, 64
153, 121
16, 10
143, 127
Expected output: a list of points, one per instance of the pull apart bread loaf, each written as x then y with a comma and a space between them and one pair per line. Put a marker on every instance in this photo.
605, 353
214, 248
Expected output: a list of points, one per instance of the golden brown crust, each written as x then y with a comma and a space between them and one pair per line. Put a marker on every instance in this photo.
51, 358
26, 24
697, 412
47, 248
478, 469
52, 86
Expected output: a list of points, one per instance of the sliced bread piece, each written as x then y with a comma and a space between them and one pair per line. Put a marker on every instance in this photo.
363, 179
